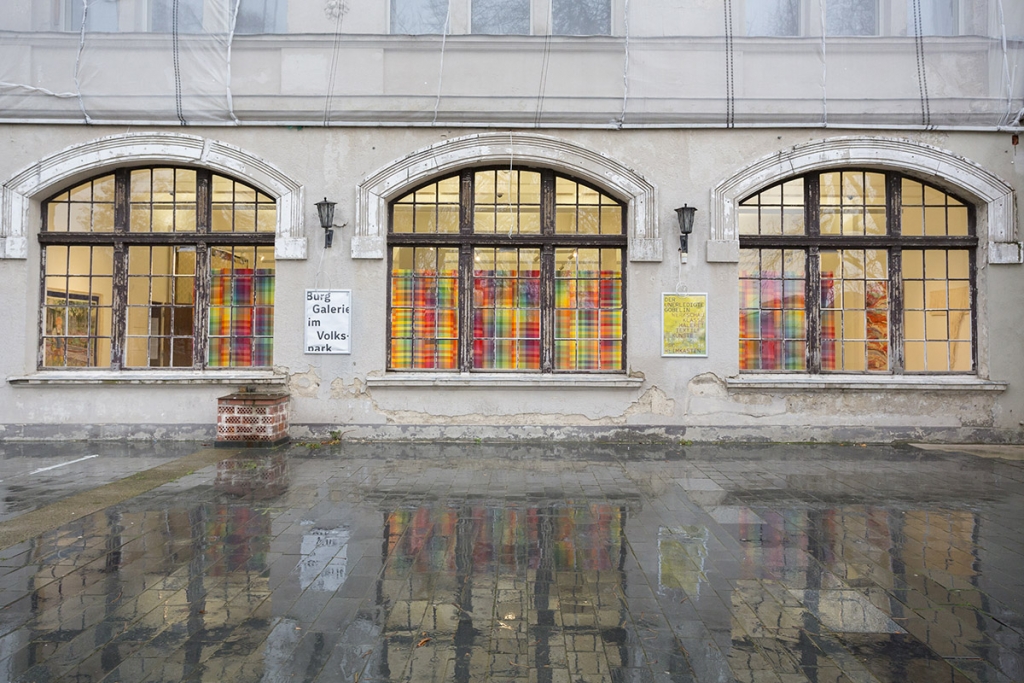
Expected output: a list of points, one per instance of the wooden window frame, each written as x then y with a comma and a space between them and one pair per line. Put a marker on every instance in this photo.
203, 239
812, 242
547, 240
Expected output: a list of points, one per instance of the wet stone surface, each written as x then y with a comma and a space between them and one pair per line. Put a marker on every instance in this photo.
372, 563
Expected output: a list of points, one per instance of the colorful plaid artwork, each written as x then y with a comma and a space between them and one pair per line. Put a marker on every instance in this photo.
424, 309
506, 310
241, 323
588, 309
773, 328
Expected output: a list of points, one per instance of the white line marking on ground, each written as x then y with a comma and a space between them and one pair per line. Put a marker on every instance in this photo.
63, 464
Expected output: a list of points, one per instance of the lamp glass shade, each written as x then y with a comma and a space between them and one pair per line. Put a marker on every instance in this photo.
325, 210
686, 214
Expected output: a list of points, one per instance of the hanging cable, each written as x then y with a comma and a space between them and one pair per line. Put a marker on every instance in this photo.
78, 60
511, 164
1011, 116
338, 9
231, 40
922, 75
824, 68
440, 71
625, 66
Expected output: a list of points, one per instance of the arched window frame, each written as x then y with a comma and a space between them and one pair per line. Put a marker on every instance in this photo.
219, 315
468, 283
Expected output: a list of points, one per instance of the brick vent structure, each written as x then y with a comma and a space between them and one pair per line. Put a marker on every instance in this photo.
252, 420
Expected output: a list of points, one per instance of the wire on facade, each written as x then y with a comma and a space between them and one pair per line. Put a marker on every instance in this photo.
231, 40
625, 66
440, 71
78, 60
338, 9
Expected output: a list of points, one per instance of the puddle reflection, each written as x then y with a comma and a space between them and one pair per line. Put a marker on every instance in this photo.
272, 577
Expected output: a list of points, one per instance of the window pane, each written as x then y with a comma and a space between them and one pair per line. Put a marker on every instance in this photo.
261, 16
77, 306
501, 17
773, 18
772, 309
415, 17
937, 317
189, 15
241, 306
854, 310
582, 210
851, 18
581, 17
102, 16
937, 18
161, 292
424, 308
588, 309
506, 309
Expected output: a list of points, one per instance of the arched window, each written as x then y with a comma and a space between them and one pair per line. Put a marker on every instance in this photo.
158, 267
507, 270
856, 271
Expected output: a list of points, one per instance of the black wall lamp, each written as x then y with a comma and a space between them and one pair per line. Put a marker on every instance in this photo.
325, 210
685, 214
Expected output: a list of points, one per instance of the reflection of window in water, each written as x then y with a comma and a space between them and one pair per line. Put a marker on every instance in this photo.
682, 552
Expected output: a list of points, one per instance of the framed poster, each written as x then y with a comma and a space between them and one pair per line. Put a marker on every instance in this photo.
684, 324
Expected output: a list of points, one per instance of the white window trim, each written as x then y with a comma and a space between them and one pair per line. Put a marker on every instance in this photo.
22, 194
377, 191
994, 199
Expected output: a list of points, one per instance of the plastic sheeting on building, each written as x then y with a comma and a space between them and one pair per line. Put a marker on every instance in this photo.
523, 63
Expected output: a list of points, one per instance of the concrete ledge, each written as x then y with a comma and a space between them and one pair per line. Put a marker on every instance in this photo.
406, 380
862, 383
148, 377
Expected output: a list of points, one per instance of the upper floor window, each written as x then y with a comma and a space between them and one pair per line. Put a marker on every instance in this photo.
851, 17
773, 18
158, 267
502, 17
167, 16
507, 270
856, 271
581, 17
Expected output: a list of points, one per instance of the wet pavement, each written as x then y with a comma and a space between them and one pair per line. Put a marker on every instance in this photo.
560, 564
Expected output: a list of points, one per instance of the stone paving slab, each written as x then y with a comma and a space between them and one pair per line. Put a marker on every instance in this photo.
447, 562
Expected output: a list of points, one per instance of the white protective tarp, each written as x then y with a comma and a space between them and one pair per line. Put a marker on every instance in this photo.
608, 63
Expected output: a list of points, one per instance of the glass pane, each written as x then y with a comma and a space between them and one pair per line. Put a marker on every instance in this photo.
241, 313
76, 307
418, 16
773, 18
772, 320
851, 18
581, 17
854, 310
501, 17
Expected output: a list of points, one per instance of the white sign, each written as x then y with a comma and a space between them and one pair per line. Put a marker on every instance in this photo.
328, 321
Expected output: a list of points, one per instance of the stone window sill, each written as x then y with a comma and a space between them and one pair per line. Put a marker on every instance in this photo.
84, 377
864, 383
408, 380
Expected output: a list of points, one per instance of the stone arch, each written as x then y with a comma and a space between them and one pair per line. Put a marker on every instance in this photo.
994, 198
378, 190
91, 158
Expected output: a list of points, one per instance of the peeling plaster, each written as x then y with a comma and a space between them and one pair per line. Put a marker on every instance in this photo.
339, 390
654, 401
305, 384
707, 394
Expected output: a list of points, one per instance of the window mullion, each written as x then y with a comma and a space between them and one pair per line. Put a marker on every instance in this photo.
896, 356
547, 273
119, 309
813, 310
466, 272
201, 308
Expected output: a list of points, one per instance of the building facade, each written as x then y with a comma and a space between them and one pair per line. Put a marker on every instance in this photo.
507, 260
